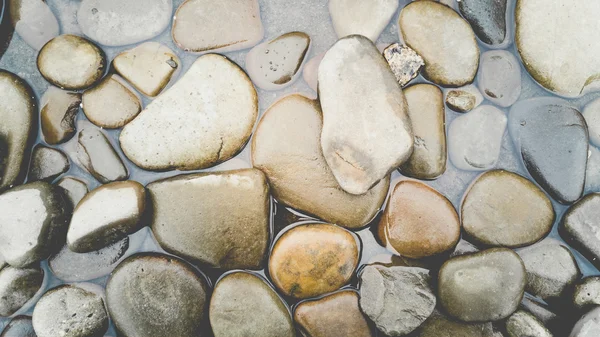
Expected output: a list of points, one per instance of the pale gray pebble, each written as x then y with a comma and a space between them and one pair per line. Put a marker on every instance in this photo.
18, 286
522, 323
75, 189
487, 18
499, 77
47, 164
588, 325
540, 310
19, 326
579, 227
587, 292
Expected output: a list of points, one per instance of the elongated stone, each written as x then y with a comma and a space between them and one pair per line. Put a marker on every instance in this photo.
286, 147
202, 120
18, 286
355, 84
98, 157
580, 227
59, 109
591, 113
310, 71
588, 325
404, 62
33, 21
20, 326
111, 104
366, 18
499, 77
463, 99
47, 164
488, 19
75, 189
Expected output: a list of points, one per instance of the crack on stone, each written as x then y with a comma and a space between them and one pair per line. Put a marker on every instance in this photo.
348, 162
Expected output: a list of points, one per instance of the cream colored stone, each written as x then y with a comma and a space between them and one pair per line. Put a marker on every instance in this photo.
111, 104
367, 18
98, 157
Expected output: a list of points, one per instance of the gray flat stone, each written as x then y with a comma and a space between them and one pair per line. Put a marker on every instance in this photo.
20, 326
487, 17
57, 118
591, 113
587, 293
96, 154
18, 286
580, 227
588, 325
47, 164
75, 189
499, 77
522, 323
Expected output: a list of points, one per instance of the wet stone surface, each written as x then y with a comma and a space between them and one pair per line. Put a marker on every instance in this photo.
588, 325
463, 99
96, 154
47, 164
18, 286
439, 325
587, 293
59, 109
34, 21
591, 113
522, 323
20, 326
367, 18
487, 17
580, 224
404, 62
499, 77
111, 104
75, 189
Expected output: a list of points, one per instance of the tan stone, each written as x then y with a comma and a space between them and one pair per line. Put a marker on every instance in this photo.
97, 155
59, 109
111, 104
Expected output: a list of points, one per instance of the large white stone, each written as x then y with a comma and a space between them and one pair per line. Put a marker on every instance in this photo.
367, 18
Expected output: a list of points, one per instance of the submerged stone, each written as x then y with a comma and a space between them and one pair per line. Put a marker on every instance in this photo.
366, 18
75, 189
522, 323
20, 326
96, 154
59, 109
47, 164
499, 77
591, 113
111, 104
404, 62
18, 286
33, 21
487, 17
588, 325
580, 226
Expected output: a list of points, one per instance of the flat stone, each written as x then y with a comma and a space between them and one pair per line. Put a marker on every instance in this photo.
96, 154
75, 189
397, 299
243, 304
428, 120
106, 215
33, 21
355, 84
334, 315
481, 287
488, 19
464, 247
148, 288
502, 208
475, 138
587, 293
551, 269
404, 62
74, 310
18, 114
552, 140
444, 40
313, 259
149, 67
499, 77
198, 25
418, 221
229, 229
276, 64
562, 71
588, 325
18, 286
35, 225
463, 99
591, 113
580, 226
366, 18
20, 326
439, 325
204, 119
71, 62
310, 71
522, 323
286, 147
111, 104
59, 109
47, 164
122, 22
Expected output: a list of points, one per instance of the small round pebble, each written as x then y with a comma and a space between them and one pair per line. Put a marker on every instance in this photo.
463, 99
499, 77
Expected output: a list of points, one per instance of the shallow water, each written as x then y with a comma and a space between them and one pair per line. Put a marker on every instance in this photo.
278, 16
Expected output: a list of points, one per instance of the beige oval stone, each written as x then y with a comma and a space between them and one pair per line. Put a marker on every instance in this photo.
71, 62
313, 259
418, 221
96, 154
286, 147
445, 41
59, 109
111, 104
367, 18
502, 208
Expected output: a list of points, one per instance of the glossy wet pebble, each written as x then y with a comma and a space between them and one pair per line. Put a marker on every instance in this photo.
522, 323
106, 215
111, 104
588, 325
488, 19
591, 113
198, 25
313, 259
355, 84
552, 139
18, 286
333, 315
157, 295
18, 115
502, 208
499, 77
204, 119
57, 118
418, 221
75, 310
286, 147
580, 225
404, 62
71, 62
444, 40
481, 287
47, 164
122, 22
35, 226
19, 326
475, 138
561, 71
587, 293
34, 21
275, 64
463, 99
96, 154
439, 325
396, 299
75, 189
243, 304
149, 67
228, 229
428, 120
367, 18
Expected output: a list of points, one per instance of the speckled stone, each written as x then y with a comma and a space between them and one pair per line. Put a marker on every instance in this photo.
111, 104
57, 118
499, 77
588, 325
18, 286
463, 99
47, 164
20, 326
96, 154
522, 323
404, 62
34, 21
587, 293
488, 19
75, 189
580, 226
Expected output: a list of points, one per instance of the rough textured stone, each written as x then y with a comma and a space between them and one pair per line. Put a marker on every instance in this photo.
33, 21
463, 99
587, 293
96, 154
229, 229
313, 259
481, 287
404, 62
18, 286
591, 113
243, 304
57, 118
502, 208
356, 84
47, 164
588, 325
396, 299
487, 17
522, 323
366, 18
111, 104
150, 288
286, 147
499, 77
75, 189
580, 227
444, 40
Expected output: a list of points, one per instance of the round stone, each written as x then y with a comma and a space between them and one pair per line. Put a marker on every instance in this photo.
591, 113
499, 77
71, 62
463, 99
587, 293
502, 208
588, 325
57, 118
313, 259
111, 104
404, 62
488, 19
522, 323
418, 221
20, 326
243, 304
153, 294
481, 287
47, 163
18, 286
